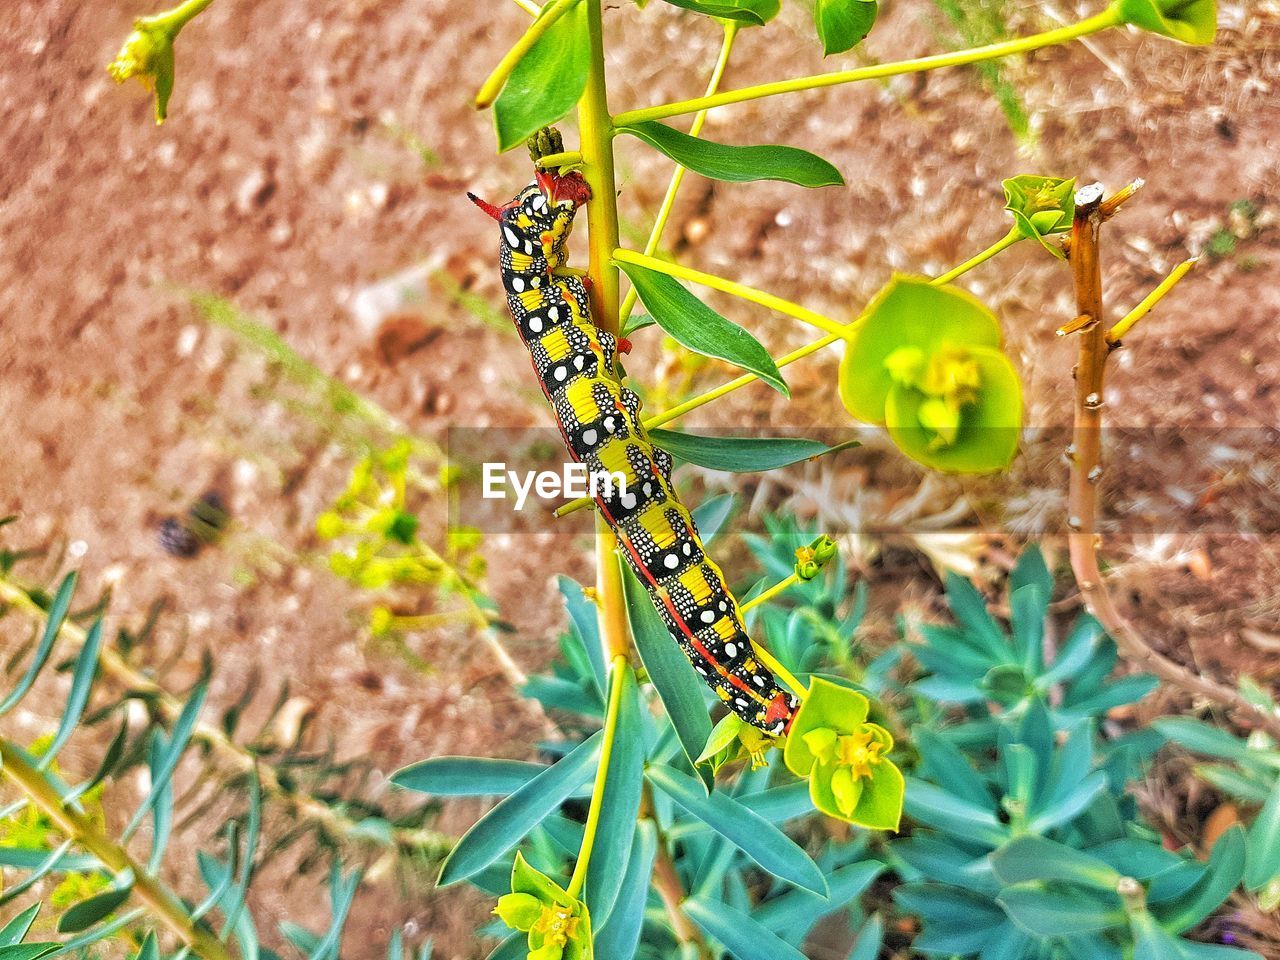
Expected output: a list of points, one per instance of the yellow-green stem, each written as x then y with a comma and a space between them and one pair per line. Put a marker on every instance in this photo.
532, 9
179, 16
677, 176
596, 132
781, 672
160, 902
547, 18
1150, 300
769, 594
1004, 243
576, 882
724, 285
565, 158
1102, 21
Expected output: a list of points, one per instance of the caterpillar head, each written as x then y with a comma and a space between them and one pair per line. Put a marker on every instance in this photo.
537, 222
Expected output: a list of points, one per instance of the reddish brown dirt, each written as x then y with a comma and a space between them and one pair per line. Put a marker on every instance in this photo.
284, 183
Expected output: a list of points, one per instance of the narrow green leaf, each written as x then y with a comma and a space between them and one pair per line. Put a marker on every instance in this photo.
28, 951
1264, 843
1223, 872
25, 859
88, 912
843, 24
740, 454
1037, 858
1200, 737
583, 614
696, 326
150, 949
547, 82
618, 938
937, 808
798, 909
161, 803
751, 13
55, 860
668, 670
752, 834
870, 939
467, 776
744, 938
733, 164
1058, 911
180, 737
710, 515
81, 684
15, 931
342, 891
621, 807
53, 624
507, 823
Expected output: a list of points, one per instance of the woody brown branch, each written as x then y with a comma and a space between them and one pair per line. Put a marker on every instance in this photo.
1086, 466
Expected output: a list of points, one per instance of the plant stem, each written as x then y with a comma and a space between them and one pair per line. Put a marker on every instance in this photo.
1004, 243
163, 904
547, 18
617, 666
1086, 471
233, 758
1108, 18
1121, 328
736, 289
528, 6
179, 16
677, 176
666, 880
769, 594
563, 159
780, 671
596, 131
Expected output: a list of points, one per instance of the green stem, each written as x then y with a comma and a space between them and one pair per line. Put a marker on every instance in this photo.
563, 159
177, 18
733, 287
162, 904
579, 878
1004, 243
596, 132
769, 594
490, 89
677, 177
1124, 325
1108, 18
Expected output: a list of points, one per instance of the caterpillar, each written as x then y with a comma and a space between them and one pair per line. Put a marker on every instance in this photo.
599, 419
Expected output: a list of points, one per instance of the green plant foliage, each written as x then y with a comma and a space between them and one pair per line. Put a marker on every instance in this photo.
740, 454
696, 326
748, 13
926, 362
1189, 21
843, 24
736, 164
547, 82
1041, 207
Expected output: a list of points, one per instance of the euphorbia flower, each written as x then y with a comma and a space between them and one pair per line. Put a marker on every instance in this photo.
1040, 207
148, 55
558, 925
1191, 21
845, 758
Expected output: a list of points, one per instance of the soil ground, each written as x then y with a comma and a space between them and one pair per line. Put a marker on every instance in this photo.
314, 150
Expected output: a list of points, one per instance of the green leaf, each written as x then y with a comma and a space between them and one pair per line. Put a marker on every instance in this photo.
744, 938
162, 770
935, 807
620, 934
842, 24
547, 82
908, 311
81, 684
798, 909
1264, 843
1153, 942
150, 949
507, 823
739, 454
827, 706
1058, 911
870, 939
620, 810
699, 328
1188, 21
987, 434
1037, 858
467, 776
53, 625
710, 515
587, 626
734, 164
1224, 871
88, 912
28, 951
668, 670
752, 834
750, 13
1199, 737
15, 931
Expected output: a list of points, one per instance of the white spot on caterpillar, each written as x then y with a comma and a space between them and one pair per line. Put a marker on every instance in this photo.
758, 681
535, 323
628, 500
511, 236
723, 606
517, 284
701, 671
560, 373
553, 314
539, 202
577, 361
589, 437
609, 424
740, 702
671, 561
535, 282
708, 616
688, 550
730, 649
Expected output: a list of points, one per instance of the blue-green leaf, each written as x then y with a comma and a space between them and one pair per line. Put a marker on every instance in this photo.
797, 910
53, 625
710, 515
744, 938
507, 823
721, 161
668, 670
696, 326
870, 939
621, 932
1264, 843
1223, 872
936, 807
752, 834
547, 82
15, 931
843, 24
1058, 911
586, 626
467, 776
1037, 858
81, 684
88, 912
28, 951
